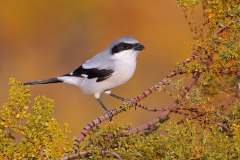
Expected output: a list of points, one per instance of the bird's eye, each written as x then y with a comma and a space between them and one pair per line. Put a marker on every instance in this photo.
125, 45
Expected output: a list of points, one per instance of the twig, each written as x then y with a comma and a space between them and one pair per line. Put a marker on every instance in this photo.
164, 109
78, 154
150, 109
180, 112
84, 153
115, 154
185, 9
223, 28
191, 118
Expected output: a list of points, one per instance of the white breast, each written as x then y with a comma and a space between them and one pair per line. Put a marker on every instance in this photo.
125, 65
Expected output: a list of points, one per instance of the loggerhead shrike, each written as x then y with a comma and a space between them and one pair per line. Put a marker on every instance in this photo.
106, 70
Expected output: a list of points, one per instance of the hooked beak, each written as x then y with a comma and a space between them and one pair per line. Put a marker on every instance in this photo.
139, 47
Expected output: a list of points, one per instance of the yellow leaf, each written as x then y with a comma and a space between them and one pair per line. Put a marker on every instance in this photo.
18, 115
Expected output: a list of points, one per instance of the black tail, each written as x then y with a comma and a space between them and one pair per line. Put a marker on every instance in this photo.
46, 81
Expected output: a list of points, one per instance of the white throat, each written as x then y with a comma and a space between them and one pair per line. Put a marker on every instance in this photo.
127, 56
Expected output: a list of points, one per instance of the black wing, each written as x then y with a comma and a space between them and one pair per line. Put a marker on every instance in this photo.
100, 74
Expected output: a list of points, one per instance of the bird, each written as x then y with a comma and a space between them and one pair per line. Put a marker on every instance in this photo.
108, 69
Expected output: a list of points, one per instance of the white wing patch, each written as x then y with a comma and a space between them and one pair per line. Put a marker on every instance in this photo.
84, 75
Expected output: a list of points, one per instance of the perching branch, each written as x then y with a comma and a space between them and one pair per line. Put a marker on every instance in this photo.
167, 112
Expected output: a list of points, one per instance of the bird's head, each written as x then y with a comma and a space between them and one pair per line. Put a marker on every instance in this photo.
126, 46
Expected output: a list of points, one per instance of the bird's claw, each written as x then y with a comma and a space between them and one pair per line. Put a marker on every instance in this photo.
129, 101
110, 115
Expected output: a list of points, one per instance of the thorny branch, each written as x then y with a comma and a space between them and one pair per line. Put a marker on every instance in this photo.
168, 110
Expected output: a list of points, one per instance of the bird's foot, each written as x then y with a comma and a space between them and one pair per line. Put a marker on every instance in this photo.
110, 115
129, 101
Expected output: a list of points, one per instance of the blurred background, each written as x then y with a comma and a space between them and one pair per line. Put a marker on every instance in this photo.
42, 39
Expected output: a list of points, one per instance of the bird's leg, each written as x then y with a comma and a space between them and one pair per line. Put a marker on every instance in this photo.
118, 97
105, 109
108, 92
